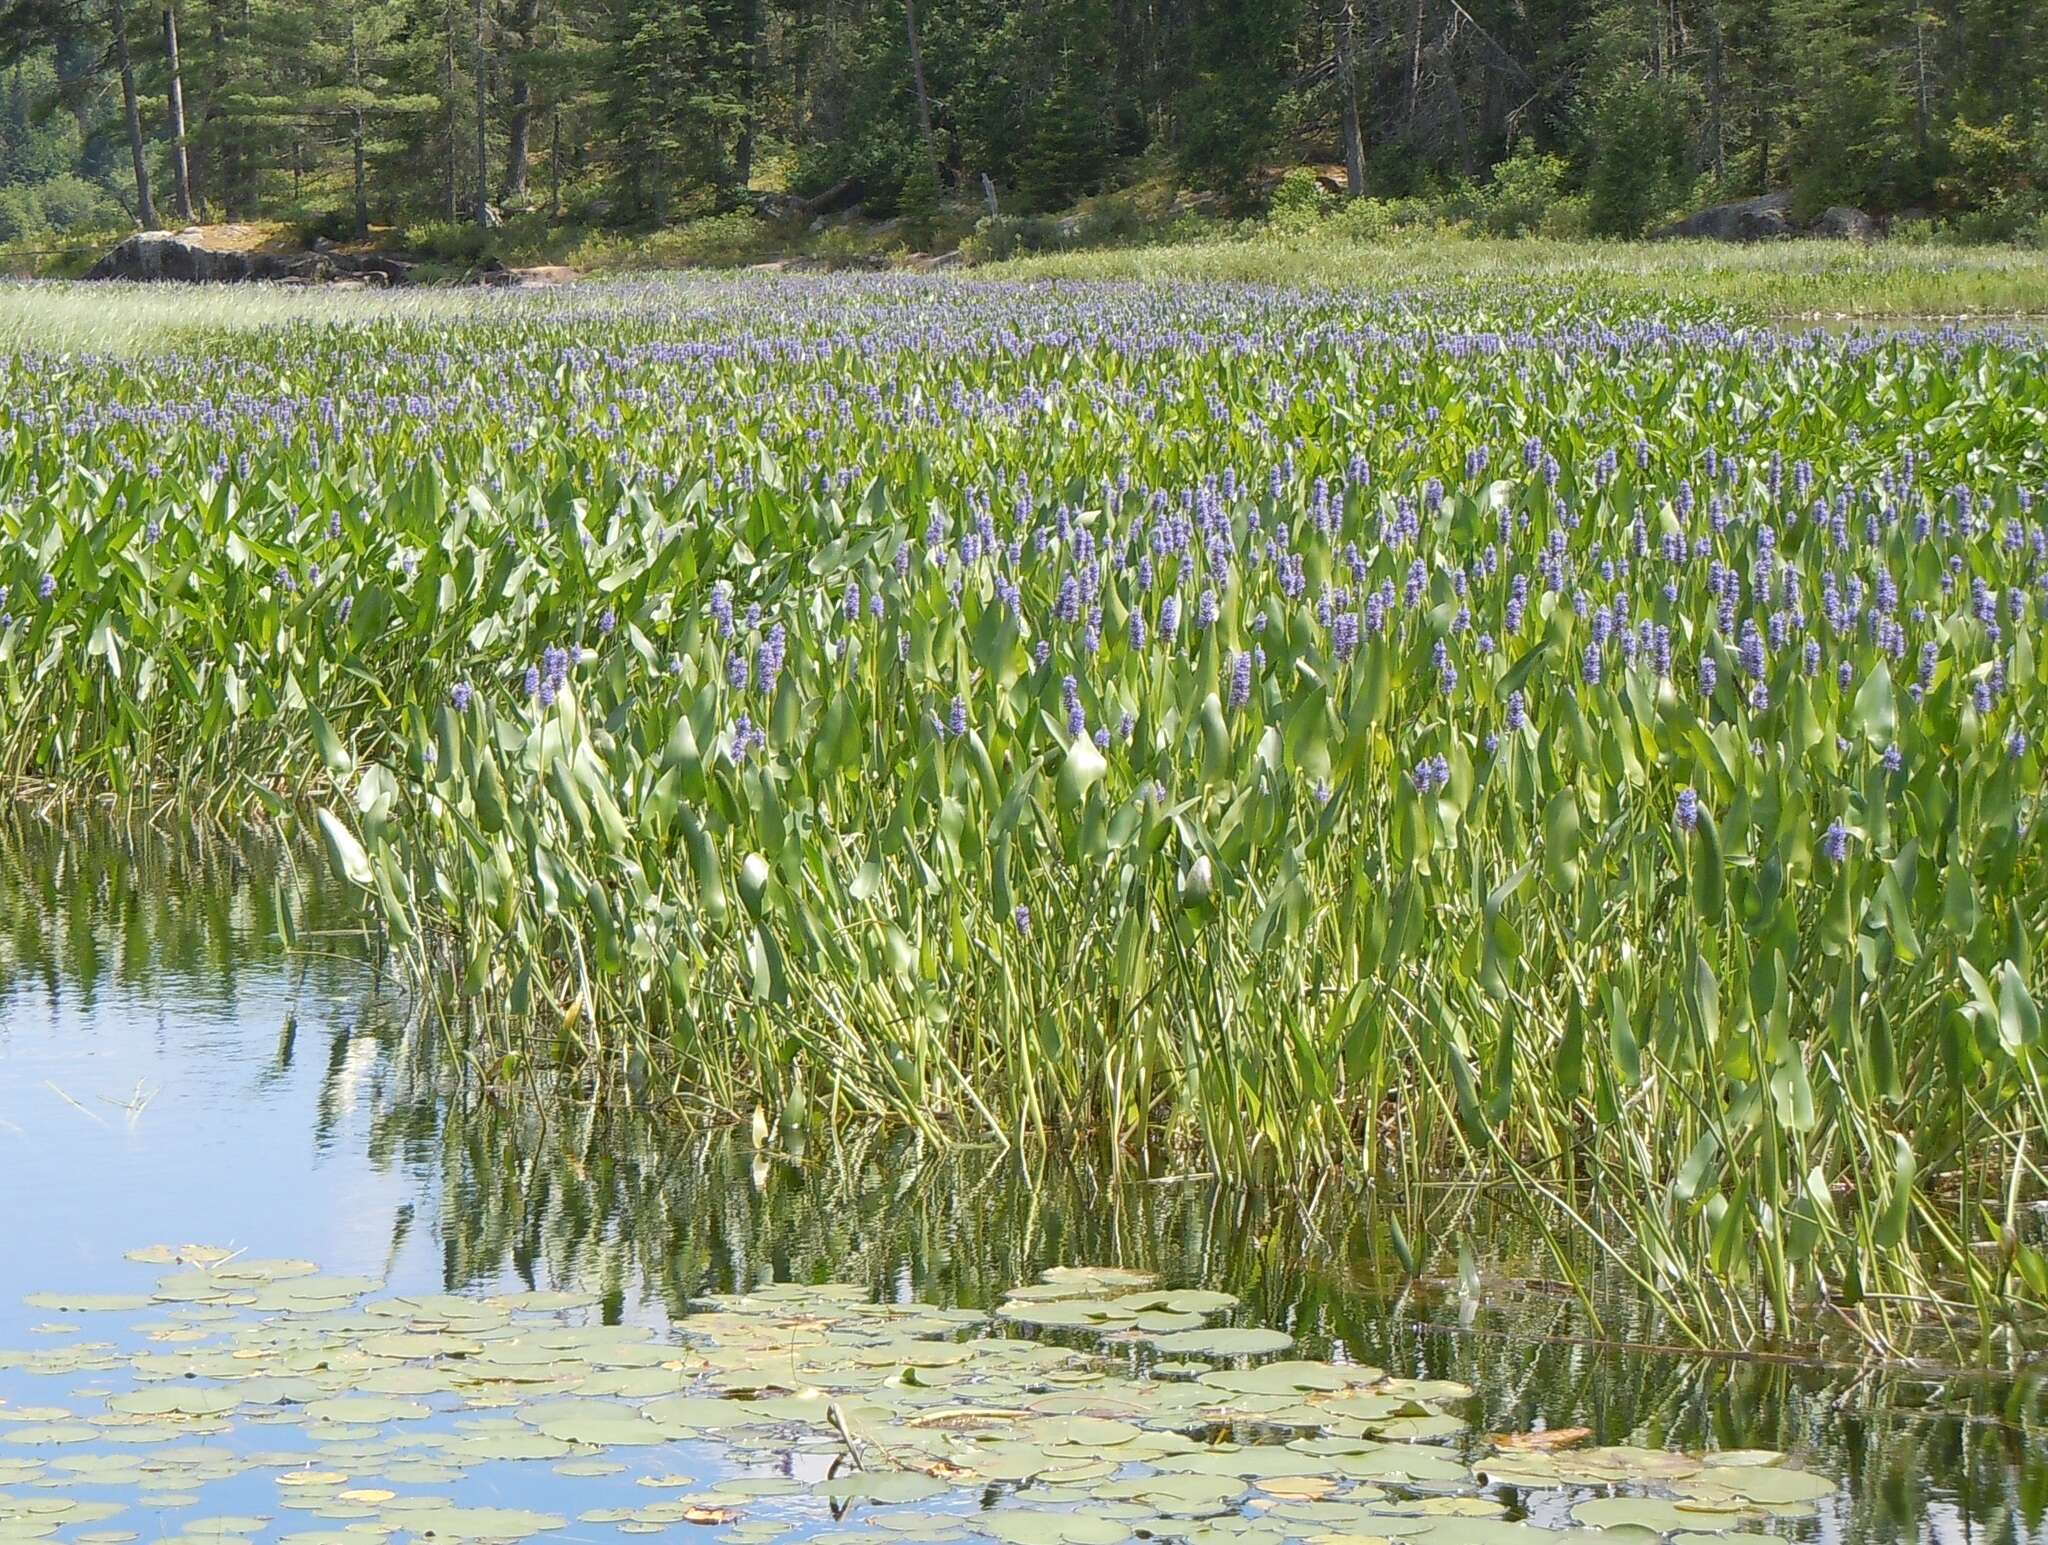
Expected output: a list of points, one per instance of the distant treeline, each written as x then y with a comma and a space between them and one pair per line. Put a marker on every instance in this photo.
345, 113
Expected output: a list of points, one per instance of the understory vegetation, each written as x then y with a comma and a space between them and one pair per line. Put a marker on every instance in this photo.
1519, 732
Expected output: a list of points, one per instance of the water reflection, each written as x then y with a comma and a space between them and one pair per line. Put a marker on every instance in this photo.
196, 1041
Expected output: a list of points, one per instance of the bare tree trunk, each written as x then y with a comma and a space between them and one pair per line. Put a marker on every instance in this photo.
743, 155
143, 206
181, 167
483, 65
555, 166
450, 205
519, 120
1717, 93
924, 100
355, 131
1920, 85
1347, 72
1415, 65
227, 163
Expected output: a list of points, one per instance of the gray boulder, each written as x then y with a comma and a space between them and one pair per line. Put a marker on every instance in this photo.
1767, 217
1841, 222
183, 257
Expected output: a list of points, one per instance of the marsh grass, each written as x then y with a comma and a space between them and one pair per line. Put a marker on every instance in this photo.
1786, 281
131, 320
1804, 282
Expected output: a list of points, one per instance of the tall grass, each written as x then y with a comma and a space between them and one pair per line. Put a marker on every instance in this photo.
1439, 733
129, 320
1795, 281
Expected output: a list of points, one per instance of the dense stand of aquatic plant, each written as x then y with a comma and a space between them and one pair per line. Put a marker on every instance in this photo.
1400, 734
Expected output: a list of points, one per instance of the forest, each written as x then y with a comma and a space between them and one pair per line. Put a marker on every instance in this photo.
1600, 117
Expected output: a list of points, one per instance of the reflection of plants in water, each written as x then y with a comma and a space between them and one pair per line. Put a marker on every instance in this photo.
641, 1215
553, 1193
97, 905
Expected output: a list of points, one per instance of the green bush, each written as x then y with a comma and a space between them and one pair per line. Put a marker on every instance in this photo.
1299, 202
444, 241
71, 203
325, 225
21, 214
1383, 220
2018, 219
1523, 191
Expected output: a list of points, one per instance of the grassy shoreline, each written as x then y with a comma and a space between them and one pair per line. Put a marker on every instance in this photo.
1786, 283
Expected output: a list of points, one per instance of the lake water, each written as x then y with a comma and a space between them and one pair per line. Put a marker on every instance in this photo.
172, 1073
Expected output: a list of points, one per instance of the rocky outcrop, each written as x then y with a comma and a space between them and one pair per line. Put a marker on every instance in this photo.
1841, 222
495, 275
185, 257
1771, 217
1765, 218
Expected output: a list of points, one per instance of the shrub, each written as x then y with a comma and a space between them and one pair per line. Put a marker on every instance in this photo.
1299, 201
1523, 190
1381, 220
447, 241
70, 203
21, 214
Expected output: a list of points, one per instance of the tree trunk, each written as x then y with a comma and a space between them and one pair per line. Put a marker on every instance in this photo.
1347, 71
451, 204
924, 100
181, 166
355, 131
1717, 91
750, 90
1415, 66
483, 172
555, 165
519, 121
143, 206
227, 163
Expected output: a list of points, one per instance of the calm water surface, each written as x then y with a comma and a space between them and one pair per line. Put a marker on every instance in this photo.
172, 1071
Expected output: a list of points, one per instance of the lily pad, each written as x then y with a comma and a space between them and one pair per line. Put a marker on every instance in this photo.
1036, 1528
1224, 1341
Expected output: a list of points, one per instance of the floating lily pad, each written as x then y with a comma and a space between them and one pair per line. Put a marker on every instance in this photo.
1223, 1341
473, 1523
1035, 1528
882, 1486
366, 1410
87, 1303
1652, 1513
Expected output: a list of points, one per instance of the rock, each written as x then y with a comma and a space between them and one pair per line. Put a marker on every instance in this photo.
841, 196
544, 274
1767, 217
394, 270
1771, 217
782, 208
493, 274
1841, 222
186, 257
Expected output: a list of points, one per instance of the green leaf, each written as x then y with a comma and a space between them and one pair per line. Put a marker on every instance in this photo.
350, 862
1875, 712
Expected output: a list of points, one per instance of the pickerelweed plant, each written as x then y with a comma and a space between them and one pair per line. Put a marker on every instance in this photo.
1427, 735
